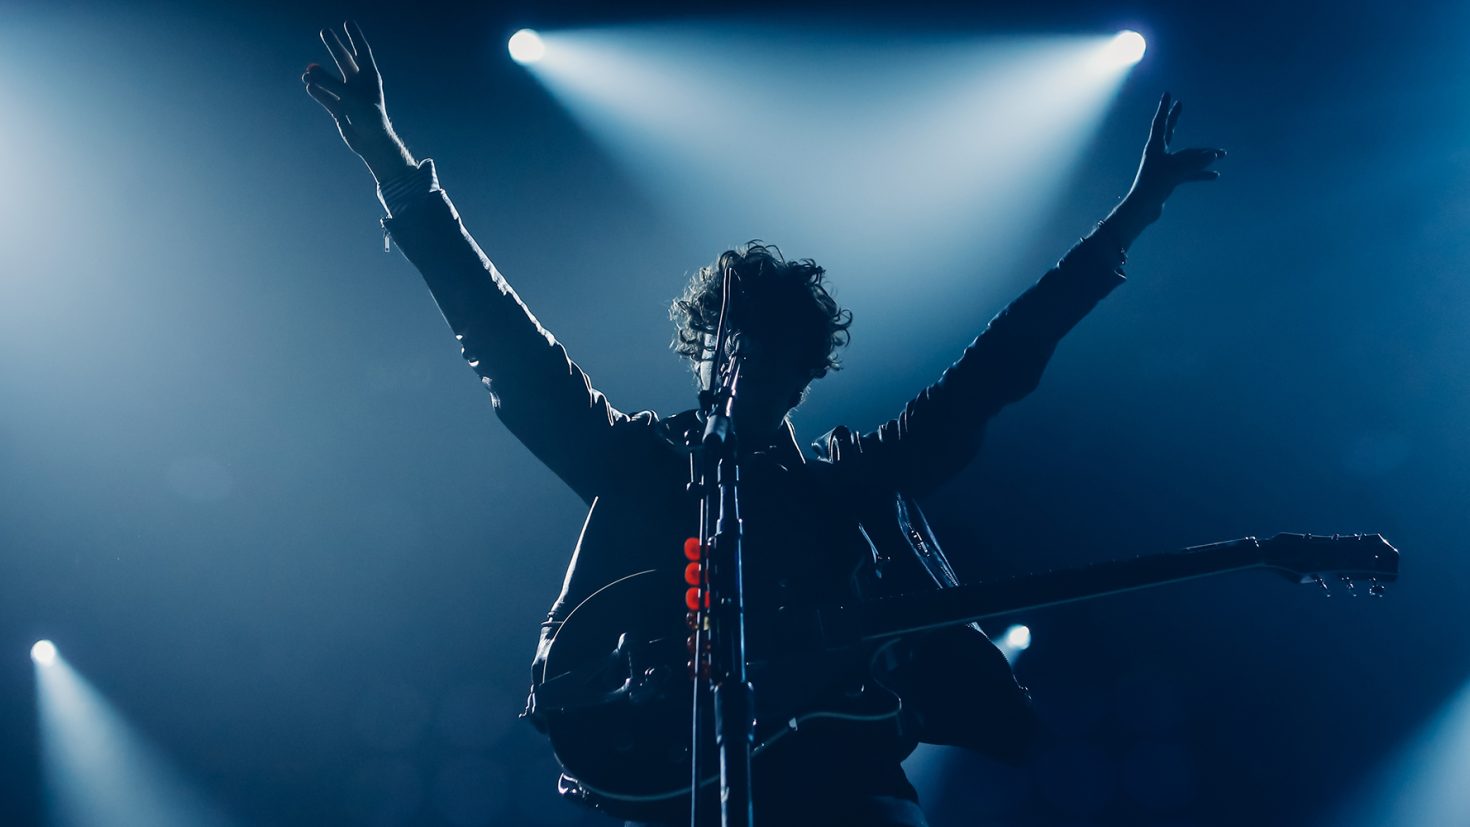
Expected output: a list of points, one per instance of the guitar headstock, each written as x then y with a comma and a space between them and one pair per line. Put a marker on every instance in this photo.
1346, 559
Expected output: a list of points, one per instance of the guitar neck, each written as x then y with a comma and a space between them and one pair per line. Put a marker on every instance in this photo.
909, 613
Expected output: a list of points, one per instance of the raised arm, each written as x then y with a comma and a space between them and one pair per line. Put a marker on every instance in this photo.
541, 395
940, 430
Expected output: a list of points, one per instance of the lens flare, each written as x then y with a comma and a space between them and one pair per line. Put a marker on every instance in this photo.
526, 47
1018, 637
1125, 49
43, 653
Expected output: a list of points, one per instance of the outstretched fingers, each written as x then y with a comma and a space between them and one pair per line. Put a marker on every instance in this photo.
1201, 175
341, 55
362, 51
318, 76
1192, 164
1173, 122
1156, 136
1199, 157
1186, 164
330, 102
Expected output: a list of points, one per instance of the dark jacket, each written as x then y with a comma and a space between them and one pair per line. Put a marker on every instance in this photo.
816, 529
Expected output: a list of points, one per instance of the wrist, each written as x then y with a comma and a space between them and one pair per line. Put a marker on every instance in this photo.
1128, 220
385, 155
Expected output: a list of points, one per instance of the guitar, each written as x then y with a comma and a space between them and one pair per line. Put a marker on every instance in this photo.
616, 697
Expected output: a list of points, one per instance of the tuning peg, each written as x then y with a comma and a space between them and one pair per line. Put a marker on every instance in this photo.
1352, 588
1326, 589
1375, 588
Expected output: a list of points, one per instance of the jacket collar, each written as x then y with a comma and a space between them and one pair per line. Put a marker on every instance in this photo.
784, 448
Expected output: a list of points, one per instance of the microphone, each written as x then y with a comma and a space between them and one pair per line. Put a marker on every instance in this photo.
719, 428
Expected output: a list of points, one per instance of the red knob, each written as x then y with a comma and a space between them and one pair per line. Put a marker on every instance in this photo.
691, 599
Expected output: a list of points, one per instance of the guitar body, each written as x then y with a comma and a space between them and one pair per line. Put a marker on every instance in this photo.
617, 700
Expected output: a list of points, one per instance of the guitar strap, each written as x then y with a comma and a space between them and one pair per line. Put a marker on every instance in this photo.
957, 687
906, 554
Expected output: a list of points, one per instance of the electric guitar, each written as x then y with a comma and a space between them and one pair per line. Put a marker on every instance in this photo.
616, 697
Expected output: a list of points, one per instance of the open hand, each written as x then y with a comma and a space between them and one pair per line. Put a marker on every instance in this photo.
355, 100
1161, 171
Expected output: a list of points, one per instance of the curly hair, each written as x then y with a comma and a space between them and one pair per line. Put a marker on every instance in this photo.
785, 303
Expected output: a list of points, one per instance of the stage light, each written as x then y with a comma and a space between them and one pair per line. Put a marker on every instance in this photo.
1125, 49
1012, 642
963, 141
43, 653
526, 47
1018, 638
97, 768
1424, 782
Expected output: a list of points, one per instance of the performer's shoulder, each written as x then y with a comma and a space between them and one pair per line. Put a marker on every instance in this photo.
830, 447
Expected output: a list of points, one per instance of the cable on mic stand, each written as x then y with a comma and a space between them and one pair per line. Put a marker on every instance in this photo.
717, 611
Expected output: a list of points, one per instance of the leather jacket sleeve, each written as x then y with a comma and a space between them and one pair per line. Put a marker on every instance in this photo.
541, 395
939, 431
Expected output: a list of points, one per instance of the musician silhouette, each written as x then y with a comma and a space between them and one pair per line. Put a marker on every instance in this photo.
819, 529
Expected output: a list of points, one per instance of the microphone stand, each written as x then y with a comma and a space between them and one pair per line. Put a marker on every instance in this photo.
719, 617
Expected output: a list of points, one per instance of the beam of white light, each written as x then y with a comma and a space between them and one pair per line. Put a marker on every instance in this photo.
916, 150
98, 771
1018, 637
43, 653
1012, 642
926, 768
1425, 782
526, 47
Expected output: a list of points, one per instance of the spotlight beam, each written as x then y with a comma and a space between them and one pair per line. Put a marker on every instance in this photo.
821, 138
97, 769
